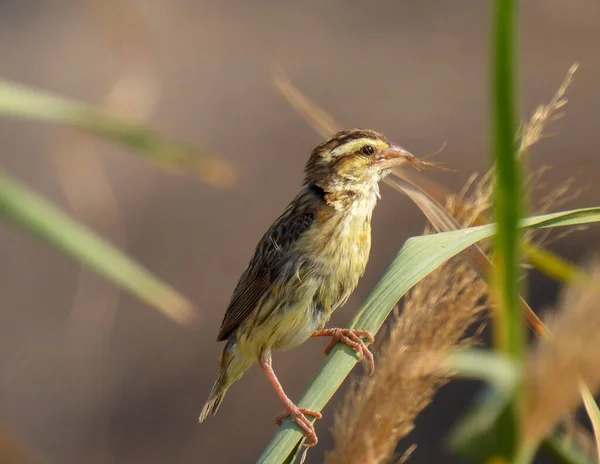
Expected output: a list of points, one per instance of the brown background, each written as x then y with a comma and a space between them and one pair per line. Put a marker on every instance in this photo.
89, 375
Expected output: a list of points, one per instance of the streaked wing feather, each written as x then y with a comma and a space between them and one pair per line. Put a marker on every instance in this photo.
242, 303
270, 255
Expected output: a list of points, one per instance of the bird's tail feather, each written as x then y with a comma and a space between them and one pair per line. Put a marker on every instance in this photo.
211, 406
216, 396
232, 367
224, 381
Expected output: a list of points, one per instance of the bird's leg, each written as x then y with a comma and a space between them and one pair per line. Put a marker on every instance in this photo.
353, 339
291, 410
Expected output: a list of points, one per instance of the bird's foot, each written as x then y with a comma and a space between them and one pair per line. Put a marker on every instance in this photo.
353, 339
298, 415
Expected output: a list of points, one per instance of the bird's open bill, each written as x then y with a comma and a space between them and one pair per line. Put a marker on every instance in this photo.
395, 157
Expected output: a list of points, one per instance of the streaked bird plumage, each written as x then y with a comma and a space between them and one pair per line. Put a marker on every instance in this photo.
309, 261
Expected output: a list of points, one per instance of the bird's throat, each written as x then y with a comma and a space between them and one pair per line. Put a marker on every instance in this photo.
353, 199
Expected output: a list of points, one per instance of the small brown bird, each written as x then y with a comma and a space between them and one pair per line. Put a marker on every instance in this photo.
307, 265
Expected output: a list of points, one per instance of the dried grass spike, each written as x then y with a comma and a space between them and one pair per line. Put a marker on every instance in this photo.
381, 410
557, 365
533, 131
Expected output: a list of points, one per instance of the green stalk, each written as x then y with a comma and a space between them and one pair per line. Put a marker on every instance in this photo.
509, 328
509, 331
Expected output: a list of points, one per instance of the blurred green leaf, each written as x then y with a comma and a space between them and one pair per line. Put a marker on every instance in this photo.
418, 257
486, 430
481, 431
551, 264
40, 217
565, 451
20, 102
496, 369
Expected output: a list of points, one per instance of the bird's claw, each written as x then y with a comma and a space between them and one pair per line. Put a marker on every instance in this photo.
353, 339
298, 415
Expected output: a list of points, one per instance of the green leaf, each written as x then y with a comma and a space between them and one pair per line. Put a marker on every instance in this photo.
496, 369
418, 257
19, 102
550, 264
41, 218
479, 433
486, 430
591, 407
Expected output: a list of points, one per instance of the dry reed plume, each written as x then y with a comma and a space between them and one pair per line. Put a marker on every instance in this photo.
475, 200
557, 365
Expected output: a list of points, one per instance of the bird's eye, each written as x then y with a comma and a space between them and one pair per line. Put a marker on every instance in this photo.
367, 150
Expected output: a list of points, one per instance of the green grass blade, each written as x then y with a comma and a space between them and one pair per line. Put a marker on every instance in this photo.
418, 257
41, 218
550, 264
485, 428
593, 412
18, 102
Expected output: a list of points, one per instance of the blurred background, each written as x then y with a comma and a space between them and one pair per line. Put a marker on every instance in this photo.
89, 374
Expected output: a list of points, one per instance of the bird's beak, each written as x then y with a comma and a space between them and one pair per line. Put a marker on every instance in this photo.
395, 156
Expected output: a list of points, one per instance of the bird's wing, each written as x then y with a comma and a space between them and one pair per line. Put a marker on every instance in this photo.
271, 254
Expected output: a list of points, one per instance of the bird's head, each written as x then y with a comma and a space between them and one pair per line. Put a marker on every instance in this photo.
354, 160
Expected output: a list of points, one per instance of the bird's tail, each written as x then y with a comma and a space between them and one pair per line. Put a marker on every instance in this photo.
215, 398
227, 375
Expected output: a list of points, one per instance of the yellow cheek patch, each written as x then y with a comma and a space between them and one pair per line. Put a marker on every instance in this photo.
345, 164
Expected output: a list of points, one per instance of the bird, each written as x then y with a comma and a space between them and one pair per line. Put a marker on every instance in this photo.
307, 265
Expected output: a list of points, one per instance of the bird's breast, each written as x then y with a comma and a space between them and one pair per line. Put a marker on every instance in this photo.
339, 251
